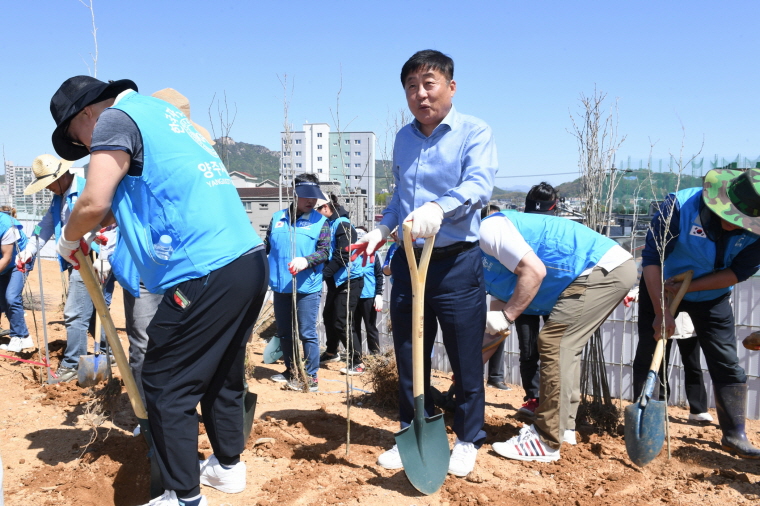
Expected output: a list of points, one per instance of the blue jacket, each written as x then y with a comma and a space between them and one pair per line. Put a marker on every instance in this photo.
6, 222
56, 204
694, 250
184, 192
565, 247
373, 279
306, 233
341, 275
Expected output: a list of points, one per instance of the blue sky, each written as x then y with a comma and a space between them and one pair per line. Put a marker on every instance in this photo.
682, 72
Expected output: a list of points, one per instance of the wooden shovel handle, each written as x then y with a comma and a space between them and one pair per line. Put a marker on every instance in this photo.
418, 277
685, 279
93, 287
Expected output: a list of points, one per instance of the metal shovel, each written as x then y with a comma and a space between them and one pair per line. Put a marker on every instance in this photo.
645, 418
93, 287
423, 445
93, 368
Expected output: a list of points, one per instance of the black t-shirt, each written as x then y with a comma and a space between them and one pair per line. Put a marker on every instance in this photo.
116, 131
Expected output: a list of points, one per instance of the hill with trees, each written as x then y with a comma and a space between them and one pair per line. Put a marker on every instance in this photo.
252, 159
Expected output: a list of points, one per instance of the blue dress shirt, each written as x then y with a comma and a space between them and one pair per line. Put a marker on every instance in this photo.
454, 167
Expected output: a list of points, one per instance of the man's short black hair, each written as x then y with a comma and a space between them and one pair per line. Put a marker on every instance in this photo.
428, 59
488, 210
542, 191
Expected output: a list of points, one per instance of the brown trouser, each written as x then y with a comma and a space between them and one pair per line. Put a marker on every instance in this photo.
579, 311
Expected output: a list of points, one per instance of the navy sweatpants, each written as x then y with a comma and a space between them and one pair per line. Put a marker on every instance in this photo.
455, 298
197, 354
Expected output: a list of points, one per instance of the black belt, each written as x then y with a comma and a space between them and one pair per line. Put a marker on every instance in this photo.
447, 251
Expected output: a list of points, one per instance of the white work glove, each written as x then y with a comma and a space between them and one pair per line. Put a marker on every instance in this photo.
496, 322
426, 220
297, 265
22, 259
66, 248
369, 244
102, 269
378, 303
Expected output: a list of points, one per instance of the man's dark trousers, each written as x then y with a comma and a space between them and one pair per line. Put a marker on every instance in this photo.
197, 354
714, 325
528, 327
335, 316
365, 312
455, 297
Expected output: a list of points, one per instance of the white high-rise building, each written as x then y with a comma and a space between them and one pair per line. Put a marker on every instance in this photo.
347, 158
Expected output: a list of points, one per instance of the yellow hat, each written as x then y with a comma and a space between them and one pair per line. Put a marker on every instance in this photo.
47, 169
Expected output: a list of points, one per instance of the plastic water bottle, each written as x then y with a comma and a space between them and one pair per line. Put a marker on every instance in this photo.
164, 248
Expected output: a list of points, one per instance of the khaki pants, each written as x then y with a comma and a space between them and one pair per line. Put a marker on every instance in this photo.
580, 310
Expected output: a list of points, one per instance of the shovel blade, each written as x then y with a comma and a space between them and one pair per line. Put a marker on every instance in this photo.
92, 370
424, 450
273, 351
644, 431
249, 409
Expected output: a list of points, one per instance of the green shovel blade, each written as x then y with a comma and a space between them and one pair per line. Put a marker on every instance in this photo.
424, 450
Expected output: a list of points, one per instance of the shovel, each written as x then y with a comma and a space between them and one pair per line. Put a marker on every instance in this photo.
93, 287
93, 368
423, 445
645, 418
50, 375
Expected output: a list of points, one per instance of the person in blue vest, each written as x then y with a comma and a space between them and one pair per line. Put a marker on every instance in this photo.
343, 289
546, 265
55, 175
189, 236
12, 241
370, 302
713, 231
298, 244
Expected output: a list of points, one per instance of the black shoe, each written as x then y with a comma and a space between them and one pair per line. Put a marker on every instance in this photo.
498, 384
731, 406
298, 385
328, 357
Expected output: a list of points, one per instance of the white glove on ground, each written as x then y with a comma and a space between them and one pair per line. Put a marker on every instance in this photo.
102, 269
378, 303
426, 220
297, 265
496, 322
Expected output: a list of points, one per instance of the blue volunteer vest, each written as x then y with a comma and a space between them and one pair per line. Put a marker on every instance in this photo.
307, 231
184, 192
6, 222
368, 292
341, 276
124, 268
693, 250
56, 205
566, 248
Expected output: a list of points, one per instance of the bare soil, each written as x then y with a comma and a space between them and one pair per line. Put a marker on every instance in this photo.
298, 451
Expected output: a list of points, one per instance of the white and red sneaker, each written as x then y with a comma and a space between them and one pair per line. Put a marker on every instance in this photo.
526, 446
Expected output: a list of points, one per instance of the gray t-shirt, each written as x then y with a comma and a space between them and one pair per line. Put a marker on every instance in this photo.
116, 131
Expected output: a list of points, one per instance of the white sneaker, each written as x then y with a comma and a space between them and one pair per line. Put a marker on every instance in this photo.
231, 481
390, 459
701, 417
526, 446
14, 345
169, 498
569, 437
463, 457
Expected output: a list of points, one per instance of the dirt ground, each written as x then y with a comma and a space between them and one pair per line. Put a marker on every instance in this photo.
297, 453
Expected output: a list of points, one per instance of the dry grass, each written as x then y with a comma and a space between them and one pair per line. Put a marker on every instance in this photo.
382, 378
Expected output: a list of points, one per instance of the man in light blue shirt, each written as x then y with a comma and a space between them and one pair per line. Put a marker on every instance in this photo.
444, 165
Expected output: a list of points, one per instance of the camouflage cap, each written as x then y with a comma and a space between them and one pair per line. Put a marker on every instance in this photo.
734, 195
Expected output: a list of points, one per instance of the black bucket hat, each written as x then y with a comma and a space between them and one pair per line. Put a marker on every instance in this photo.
75, 94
